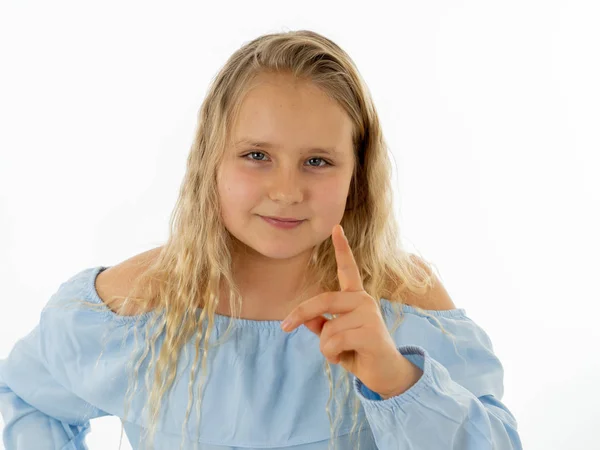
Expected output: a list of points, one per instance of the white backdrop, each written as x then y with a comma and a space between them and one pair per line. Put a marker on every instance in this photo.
490, 109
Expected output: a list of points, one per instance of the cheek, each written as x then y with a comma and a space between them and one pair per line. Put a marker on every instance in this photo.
337, 190
236, 188
330, 197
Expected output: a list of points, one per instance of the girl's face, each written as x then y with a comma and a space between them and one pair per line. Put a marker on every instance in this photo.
286, 175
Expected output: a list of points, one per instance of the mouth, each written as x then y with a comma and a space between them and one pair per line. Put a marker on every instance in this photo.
283, 219
286, 224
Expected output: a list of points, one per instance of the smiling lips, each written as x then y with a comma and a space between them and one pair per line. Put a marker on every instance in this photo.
285, 224
284, 219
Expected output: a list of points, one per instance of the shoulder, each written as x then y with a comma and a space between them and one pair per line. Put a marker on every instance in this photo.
115, 283
436, 298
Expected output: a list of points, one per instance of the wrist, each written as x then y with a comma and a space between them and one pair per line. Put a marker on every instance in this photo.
409, 374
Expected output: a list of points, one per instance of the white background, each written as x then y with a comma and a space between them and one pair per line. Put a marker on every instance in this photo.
490, 108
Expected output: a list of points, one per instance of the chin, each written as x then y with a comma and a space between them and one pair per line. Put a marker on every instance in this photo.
279, 252
272, 248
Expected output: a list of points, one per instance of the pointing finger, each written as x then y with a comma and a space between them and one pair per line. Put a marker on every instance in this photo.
348, 273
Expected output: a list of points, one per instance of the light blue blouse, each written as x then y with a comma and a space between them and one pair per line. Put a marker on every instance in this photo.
265, 388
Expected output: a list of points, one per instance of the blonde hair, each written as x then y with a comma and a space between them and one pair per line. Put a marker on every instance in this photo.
188, 271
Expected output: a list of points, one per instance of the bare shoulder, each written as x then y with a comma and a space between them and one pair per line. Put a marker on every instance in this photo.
436, 298
118, 281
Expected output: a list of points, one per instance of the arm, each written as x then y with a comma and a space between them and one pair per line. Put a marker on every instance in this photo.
437, 412
39, 413
442, 400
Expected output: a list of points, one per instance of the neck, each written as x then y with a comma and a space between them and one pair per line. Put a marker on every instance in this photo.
270, 288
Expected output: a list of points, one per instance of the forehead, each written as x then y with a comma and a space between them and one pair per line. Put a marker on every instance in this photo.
282, 111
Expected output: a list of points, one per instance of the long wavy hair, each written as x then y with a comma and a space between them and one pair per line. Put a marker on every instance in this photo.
188, 271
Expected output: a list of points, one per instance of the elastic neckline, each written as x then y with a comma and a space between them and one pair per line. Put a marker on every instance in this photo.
223, 320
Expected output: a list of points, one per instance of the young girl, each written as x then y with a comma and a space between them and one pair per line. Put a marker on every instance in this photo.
285, 212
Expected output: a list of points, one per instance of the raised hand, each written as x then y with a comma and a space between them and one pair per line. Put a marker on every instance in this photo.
357, 337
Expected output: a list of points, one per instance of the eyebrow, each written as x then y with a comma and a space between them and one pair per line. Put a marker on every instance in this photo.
255, 143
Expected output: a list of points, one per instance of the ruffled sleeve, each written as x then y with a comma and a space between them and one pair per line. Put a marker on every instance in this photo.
456, 404
91, 351
38, 411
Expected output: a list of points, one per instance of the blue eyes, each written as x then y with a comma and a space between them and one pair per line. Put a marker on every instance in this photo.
327, 163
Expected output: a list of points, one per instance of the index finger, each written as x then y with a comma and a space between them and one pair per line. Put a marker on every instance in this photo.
348, 273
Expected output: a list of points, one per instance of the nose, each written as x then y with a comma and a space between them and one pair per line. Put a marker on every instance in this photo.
284, 187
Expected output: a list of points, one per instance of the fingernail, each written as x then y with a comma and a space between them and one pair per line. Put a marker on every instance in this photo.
285, 325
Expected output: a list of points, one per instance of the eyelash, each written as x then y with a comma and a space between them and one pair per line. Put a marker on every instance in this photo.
327, 163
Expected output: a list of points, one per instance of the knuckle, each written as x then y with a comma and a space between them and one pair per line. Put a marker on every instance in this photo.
329, 348
324, 348
368, 307
372, 302
330, 299
337, 341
